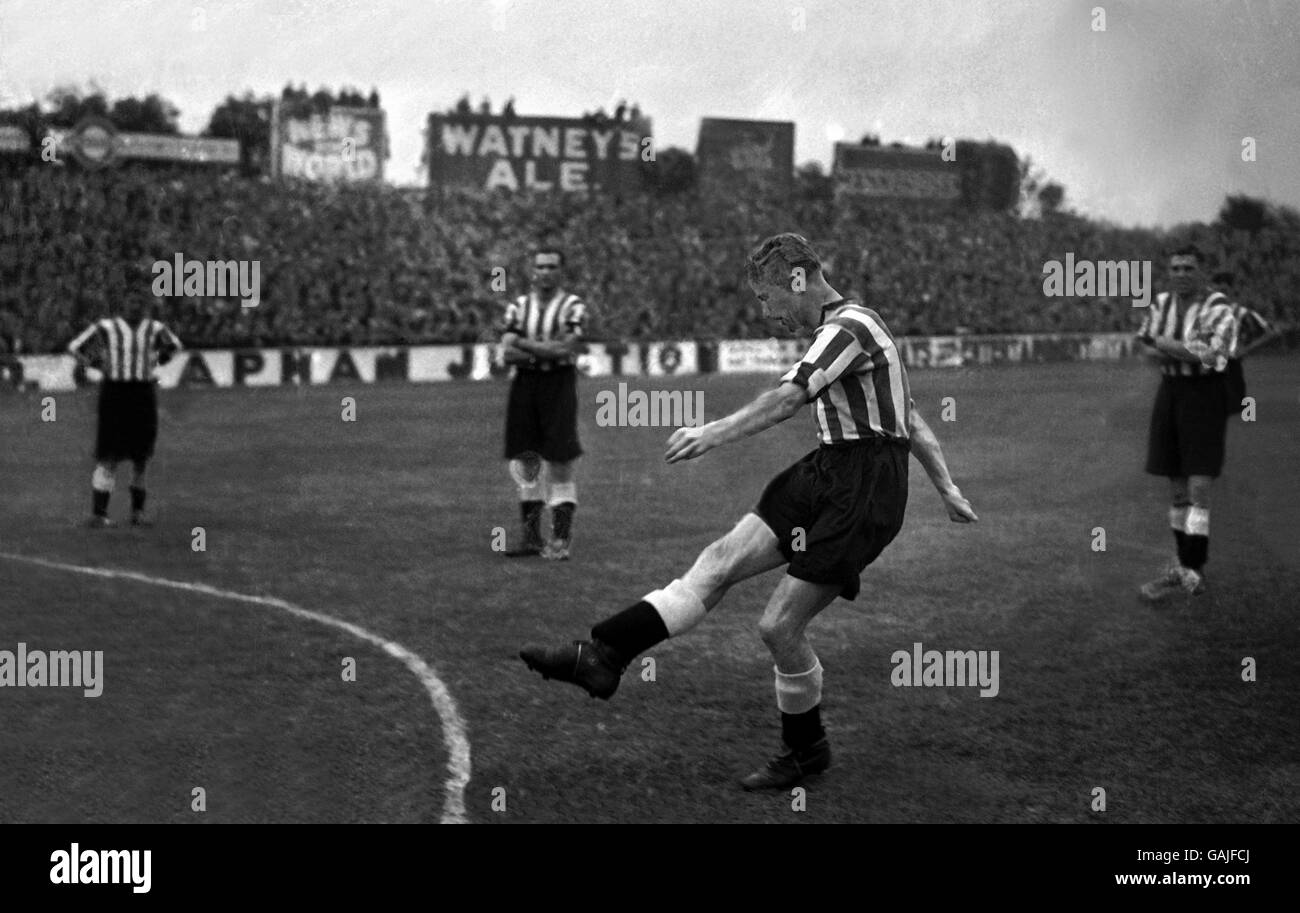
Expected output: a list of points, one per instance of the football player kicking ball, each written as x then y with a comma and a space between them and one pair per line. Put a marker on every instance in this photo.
827, 517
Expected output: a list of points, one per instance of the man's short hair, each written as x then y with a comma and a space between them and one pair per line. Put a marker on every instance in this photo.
537, 252
773, 259
1188, 250
1224, 278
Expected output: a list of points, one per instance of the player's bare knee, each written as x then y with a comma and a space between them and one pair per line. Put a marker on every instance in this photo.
525, 470
777, 631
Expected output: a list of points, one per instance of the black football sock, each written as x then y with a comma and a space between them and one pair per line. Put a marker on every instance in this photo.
801, 730
531, 512
1198, 552
1180, 536
100, 503
562, 519
137, 499
633, 630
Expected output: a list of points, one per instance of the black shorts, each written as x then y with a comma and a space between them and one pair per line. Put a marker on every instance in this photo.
1189, 426
848, 499
128, 421
542, 415
1236, 384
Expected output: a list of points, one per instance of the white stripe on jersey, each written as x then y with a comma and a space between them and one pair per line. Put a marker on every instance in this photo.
1213, 315
892, 360
851, 363
130, 353
144, 337
544, 321
532, 316
550, 322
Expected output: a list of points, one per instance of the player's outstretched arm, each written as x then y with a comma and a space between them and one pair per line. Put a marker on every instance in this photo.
925, 446
769, 408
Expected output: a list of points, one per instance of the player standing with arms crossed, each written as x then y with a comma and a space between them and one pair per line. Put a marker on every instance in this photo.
843, 503
129, 347
542, 339
1190, 331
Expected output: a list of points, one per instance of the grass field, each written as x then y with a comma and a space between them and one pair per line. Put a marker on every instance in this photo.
387, 522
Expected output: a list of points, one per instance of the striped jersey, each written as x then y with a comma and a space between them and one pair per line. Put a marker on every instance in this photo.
533, 318
128, 352
855, 377
1207, 321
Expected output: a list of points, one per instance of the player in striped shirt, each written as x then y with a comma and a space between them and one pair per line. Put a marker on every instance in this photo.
826, 517
542, 338
1190, 331
127, 348
1252, 332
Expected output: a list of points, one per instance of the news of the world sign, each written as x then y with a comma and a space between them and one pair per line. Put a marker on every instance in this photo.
340, 144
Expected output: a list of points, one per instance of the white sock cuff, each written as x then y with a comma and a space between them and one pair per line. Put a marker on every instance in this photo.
1178, 517
102, 480
1198, 521
678, 606
563, 492
798, 692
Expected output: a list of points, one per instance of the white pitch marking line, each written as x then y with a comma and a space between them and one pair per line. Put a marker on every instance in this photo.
453, 727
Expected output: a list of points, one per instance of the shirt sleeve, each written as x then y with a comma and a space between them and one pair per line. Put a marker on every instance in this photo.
1251, 327
511, 322
1149, 318
169, 340
834, 351
75, 346
575, 317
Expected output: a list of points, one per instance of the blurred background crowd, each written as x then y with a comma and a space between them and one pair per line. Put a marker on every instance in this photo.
386, 265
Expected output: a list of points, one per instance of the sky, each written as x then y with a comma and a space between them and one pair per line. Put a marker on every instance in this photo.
1143, 121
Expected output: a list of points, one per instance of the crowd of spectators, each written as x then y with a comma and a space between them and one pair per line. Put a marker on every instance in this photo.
384, 265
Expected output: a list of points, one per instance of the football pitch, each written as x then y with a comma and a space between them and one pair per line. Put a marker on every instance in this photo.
387, 523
